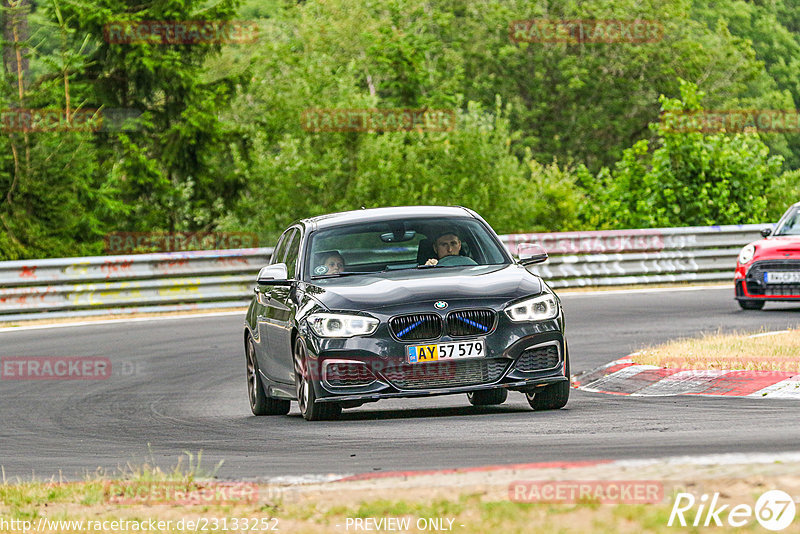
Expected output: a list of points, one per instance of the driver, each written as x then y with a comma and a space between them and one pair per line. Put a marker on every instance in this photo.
446, 244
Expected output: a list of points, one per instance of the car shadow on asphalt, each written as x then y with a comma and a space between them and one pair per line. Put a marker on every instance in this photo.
422, 413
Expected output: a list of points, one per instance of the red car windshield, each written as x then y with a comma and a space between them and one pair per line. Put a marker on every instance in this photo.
790, 223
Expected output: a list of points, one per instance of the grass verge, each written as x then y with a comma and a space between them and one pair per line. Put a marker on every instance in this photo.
83, 507
470, 502
765, 351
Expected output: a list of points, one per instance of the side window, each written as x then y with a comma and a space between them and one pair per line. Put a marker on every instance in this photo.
292, 252
280, 249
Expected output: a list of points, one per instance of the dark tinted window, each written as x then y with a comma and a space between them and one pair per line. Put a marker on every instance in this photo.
402, 244
292, 251
279, 253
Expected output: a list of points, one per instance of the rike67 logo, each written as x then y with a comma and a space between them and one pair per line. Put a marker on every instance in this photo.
774, 510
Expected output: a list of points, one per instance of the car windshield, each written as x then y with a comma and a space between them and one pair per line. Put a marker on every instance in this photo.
402, 244
790, 224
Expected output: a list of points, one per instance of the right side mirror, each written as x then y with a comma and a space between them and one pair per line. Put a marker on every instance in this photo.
275, 275
530, 254
766, 232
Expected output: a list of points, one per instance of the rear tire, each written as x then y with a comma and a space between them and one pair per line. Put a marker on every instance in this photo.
310, 409
260, 404
751, 304
487, 397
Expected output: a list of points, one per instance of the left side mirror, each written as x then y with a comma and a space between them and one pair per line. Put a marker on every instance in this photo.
766, 232
530, 254
275, 275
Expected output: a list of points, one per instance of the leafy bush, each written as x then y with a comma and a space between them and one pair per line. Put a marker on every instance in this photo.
472, 165
689, 178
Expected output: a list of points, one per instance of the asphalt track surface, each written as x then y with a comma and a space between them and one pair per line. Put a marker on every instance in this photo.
179, 386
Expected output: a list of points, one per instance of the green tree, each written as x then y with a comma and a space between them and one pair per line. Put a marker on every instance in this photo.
54, 202
771, 28
472, 165
689, 178
166, 170
586, 102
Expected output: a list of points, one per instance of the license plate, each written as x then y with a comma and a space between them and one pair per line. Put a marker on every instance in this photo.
447, 351
782, 278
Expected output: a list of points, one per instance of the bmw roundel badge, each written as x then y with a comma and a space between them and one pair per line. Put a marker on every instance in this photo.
440, 304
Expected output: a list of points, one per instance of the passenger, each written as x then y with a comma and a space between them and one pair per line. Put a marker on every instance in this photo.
333, 262
446, 244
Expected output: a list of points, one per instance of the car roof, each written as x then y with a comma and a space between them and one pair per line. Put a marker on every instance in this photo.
381, 214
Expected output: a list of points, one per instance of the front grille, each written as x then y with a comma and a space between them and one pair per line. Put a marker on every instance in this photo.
451, 373
470, 322
775, 265
537, 359
755, 278
417, 326
776, 290
348, 374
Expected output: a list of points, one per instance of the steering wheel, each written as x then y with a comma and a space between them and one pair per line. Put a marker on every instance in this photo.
451, 261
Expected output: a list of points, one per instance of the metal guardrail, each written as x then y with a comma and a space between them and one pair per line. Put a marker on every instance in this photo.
224, 278
128, 284
650, 256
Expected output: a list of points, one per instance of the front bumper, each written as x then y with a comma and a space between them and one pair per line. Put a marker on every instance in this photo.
521, 385
519, 356
751, 285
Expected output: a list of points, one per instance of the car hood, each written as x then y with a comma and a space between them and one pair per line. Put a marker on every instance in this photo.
412, 286
780, 245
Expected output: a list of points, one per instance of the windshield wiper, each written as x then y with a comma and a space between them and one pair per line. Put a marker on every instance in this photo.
336, 275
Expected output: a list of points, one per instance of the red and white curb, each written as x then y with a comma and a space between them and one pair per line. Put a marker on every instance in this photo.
710, 460
624, 377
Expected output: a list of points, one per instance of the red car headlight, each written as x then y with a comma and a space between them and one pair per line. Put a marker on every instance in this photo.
747, 253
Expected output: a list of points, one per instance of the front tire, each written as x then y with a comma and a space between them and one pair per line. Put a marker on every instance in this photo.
552, 397
310, 409
487, 397
260, 404
751, 304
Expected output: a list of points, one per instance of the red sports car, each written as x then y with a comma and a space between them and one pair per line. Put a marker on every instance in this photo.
769, 269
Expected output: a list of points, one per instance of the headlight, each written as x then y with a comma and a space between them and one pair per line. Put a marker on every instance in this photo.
535, 309
341, 325
747, 254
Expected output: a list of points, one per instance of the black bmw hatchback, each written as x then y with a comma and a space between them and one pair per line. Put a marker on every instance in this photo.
401, 302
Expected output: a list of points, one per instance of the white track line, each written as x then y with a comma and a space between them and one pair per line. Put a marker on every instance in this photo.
716, 459
123, 320
564, 292
764, 334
